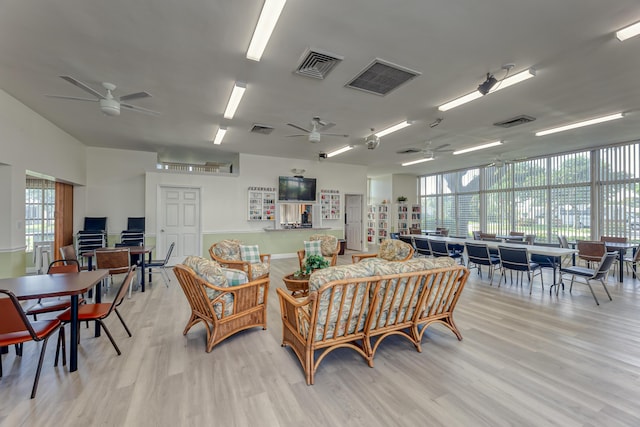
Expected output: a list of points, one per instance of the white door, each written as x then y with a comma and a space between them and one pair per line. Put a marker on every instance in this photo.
353, 227
179, 222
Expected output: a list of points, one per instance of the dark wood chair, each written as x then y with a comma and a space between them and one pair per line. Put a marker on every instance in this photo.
591, 251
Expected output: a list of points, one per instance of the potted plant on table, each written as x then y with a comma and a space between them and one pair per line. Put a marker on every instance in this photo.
311, 263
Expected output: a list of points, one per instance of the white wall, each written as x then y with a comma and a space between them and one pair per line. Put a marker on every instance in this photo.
381, 189
404, 185
224, 198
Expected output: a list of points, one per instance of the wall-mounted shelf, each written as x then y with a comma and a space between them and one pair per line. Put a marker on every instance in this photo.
330, 202
262, 204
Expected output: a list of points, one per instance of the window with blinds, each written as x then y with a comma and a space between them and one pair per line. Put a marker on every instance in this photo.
39, 211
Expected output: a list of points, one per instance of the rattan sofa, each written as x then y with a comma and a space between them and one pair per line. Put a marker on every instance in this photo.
357, 306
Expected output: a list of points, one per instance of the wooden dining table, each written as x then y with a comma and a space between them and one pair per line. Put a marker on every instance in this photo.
59, 285
133, 250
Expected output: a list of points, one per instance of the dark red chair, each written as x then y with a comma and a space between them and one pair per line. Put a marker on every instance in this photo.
16, 329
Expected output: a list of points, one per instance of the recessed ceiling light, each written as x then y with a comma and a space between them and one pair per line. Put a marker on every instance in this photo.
266, 23
478, 147
628, 32
581, 124
234, 99
219, 135
415, 162
392, 129
504, 83
340, 151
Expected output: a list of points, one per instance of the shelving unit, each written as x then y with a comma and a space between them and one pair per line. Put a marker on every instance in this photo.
371, 224
402, 218
262, 204
330, 202
382, 223
416, 216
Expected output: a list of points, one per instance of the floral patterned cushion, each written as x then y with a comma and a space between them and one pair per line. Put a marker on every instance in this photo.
228, 249
259, 270
328, 245
394, 250
401, 303
211, 272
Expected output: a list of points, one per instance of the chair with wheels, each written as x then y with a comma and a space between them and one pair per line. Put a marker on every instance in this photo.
517, 259
589, 274
97, 313
161, 264
16, 329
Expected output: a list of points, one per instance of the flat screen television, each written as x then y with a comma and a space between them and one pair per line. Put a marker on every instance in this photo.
296, 189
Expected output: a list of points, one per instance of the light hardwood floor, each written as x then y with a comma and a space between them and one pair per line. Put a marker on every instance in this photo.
525, 361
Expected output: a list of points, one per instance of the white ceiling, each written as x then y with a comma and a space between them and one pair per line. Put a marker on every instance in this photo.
187, 54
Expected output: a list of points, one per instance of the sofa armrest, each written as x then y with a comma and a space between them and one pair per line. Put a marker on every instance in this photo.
265, 258
360, 257
296, 314
246, 297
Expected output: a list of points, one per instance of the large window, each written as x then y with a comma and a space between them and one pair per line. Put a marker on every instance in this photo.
39, 211
579, 195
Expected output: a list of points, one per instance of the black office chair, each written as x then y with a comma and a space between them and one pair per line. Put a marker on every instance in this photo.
478, 255
589, 274
517, 259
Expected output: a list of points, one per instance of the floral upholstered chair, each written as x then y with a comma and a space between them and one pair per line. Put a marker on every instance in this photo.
390, 250
233, 254
320, 244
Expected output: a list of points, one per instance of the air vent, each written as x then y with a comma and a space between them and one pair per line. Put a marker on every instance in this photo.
263, 129
515, 121
381, 77
317, 64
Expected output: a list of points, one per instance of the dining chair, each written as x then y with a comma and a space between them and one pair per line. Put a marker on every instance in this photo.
56, 267
478, 255
444, 231
68, 253
15, 329
421, 247
589, 274
97, 312
516, 233
161, 264
117, 261
440, 248
590, 251
517, 259
633, 260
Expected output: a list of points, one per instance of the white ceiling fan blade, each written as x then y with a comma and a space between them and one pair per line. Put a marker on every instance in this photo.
74, 98
299, 134
440, 147
136, 95
83, 86
299, 127
139, 109
335, 134
325, 126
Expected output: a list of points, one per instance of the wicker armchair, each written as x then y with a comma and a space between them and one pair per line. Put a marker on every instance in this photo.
227, 254
330, 247
224, 310
390, 250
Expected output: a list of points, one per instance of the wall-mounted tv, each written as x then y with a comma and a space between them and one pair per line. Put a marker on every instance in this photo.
296, 189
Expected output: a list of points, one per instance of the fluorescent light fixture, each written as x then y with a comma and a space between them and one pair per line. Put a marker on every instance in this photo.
266, 23
504, 83
580, 124
628, 32
415, 162
219, 135
392, 129
234, 99
478, 147
340, 151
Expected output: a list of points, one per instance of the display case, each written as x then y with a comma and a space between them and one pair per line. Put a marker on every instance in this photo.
262, 204
330, 202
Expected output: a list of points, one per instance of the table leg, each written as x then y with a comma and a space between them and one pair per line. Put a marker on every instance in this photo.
620, 264
4, 350
73, 344
98, 291
142, 277
150, 259
633, 264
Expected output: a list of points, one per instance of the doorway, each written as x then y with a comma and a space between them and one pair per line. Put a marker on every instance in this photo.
353, 221
179, 222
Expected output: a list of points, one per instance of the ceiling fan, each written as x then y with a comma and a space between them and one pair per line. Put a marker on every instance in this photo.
427, 150
316, 132
499, 162
109, 104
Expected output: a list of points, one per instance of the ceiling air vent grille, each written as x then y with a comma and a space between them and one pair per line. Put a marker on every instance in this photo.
317, 64
515, 121
381, 77
263, 129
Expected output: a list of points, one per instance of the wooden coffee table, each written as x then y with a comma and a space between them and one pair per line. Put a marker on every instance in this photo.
299, 287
